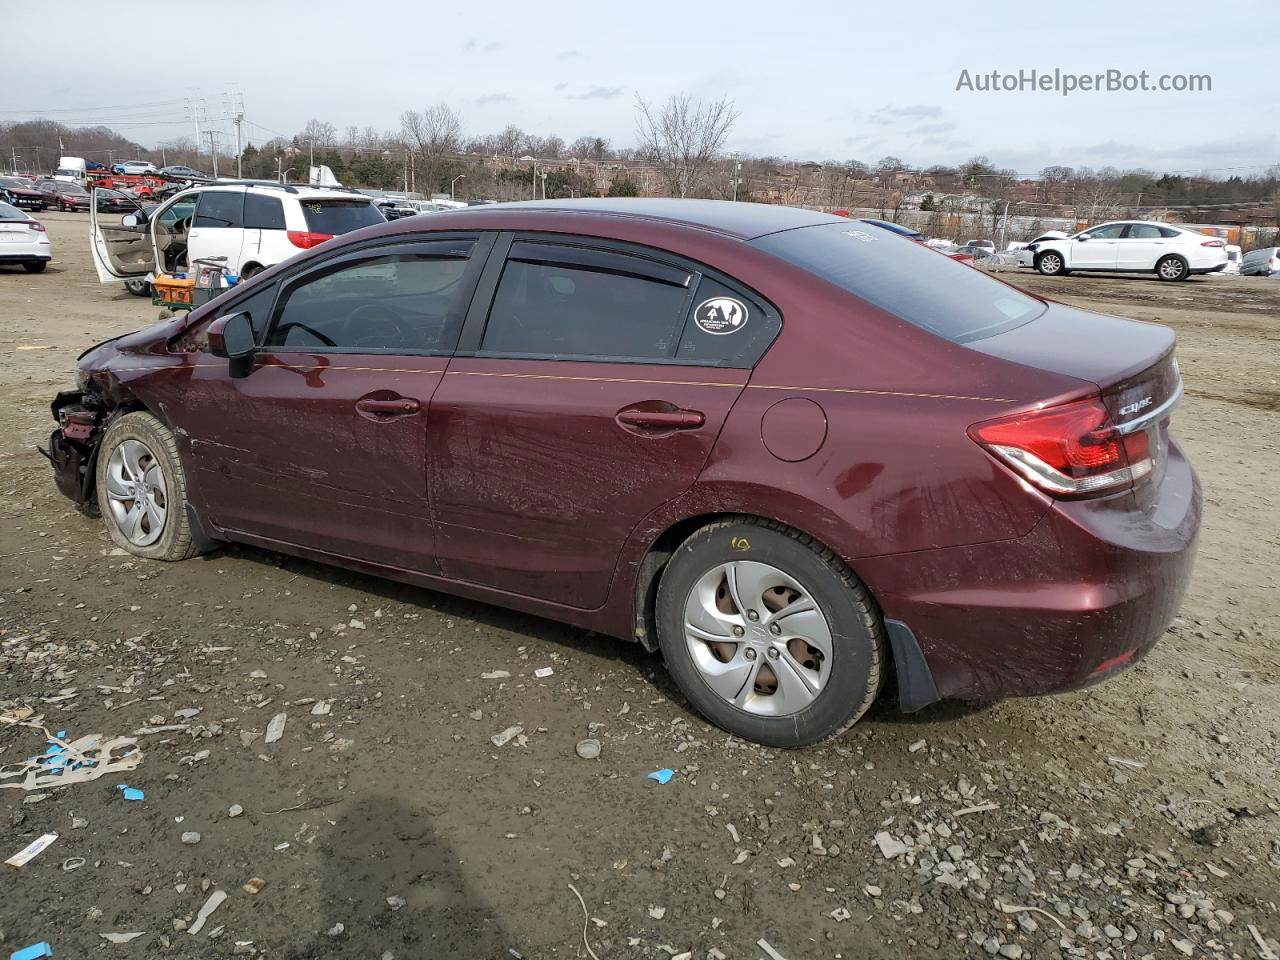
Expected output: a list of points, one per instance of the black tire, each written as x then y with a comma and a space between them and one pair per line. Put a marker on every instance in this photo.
1050, 263
1172, 268
853, 619
175, 541
251, 271
36, 266
139, 288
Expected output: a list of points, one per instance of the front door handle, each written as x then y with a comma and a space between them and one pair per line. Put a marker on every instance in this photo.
375, 408
676, 419
193, 233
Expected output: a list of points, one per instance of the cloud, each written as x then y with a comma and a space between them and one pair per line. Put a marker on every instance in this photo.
887, 115
493, 98
569, 55
474, 44
562, 85
926, 128
597, 93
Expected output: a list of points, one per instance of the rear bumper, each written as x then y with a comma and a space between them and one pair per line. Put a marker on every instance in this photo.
1213, 269
1085, 594
29, 256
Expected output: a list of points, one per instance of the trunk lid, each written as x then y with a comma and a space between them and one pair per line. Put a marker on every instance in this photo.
1130, 362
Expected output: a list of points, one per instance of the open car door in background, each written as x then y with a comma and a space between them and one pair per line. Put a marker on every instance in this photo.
121, 243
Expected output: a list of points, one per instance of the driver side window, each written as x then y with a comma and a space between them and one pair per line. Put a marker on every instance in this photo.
408, 303
1110, 232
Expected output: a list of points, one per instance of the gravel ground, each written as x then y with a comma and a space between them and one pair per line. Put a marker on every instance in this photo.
1136, 819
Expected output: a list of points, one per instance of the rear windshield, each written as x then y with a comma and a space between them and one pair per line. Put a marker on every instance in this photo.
8, 212
339, 216
908, 279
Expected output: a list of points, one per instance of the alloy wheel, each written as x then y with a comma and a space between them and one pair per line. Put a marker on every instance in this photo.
1050, 263
1171, 269
758, 638
137, 492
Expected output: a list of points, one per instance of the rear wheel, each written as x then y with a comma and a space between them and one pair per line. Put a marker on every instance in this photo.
768, 634
1172, 268
36, 266
142, 489
1050, 264
250, 271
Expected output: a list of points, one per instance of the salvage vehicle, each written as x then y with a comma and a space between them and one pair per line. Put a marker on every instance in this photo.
797, 455
23, 192
252, 224
1027, 254
1171, 253
65, 195
23, 240
1261, 262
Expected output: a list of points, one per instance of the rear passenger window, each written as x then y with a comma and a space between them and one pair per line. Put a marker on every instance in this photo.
586, 309
398, 303
726, 328
1143, 231
263, 213
220, 208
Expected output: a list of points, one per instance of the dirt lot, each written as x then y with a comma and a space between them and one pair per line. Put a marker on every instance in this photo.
1138, 819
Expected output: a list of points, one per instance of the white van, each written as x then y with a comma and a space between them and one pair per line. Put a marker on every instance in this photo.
252, 225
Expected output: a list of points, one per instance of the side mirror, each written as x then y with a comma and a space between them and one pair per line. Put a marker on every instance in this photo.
1083, 236
232, 336
129, 220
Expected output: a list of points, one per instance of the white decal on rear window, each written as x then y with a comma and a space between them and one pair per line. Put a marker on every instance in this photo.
720, 315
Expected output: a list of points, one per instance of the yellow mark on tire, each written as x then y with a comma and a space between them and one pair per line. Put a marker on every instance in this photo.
740, 543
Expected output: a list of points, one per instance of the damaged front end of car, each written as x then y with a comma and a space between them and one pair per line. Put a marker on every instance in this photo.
82, 418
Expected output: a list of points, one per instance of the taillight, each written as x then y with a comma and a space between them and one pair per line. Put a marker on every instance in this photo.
305, 240
38, 227
1213, 243
1073, 449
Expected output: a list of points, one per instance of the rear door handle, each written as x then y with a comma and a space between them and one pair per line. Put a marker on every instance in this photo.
384, 409
661, 419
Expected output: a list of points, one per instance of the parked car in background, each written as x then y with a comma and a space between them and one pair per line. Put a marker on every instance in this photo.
1171, 253
1027, 255
112, 201
252, 224
22, 193
988, 245
976, 251
65, 194
183, 172
23, 239
1262, 262
134, 167
842, 456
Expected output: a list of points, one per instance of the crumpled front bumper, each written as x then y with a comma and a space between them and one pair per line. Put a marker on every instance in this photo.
73, 447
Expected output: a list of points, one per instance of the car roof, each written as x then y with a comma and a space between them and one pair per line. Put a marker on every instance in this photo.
744, 221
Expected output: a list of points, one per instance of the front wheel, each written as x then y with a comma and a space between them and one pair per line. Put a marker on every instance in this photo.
139, 288
35, 266
1172, 268
1050, 264
142, 489
768, 634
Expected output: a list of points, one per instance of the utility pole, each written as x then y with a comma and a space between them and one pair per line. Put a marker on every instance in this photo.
195, 117
213, 149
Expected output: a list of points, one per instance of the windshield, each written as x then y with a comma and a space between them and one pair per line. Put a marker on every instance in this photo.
907, 279
71, 188
15, 183
339, 216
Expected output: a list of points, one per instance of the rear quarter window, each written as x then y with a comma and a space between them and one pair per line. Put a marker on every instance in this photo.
907, 279
339, 215
263, 213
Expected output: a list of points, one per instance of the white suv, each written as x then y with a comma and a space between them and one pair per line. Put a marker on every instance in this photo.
1171, 253
252, 224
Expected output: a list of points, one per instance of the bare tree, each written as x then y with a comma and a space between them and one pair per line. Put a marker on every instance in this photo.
509, 141
321, 133
432, 135
684, 136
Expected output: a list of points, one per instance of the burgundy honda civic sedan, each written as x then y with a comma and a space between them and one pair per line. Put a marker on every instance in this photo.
802, 457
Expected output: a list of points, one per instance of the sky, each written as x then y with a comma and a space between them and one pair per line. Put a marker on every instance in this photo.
820, 80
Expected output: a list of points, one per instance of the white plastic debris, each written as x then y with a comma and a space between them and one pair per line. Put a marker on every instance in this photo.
31, 851
120, 937
506, 736
275, 729
210, 905
543, 672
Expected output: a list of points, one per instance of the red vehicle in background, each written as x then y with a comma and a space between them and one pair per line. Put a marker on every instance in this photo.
796, 454
142, 186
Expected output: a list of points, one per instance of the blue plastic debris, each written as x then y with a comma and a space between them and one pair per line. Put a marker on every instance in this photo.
662, 776
131, 793
33, 952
